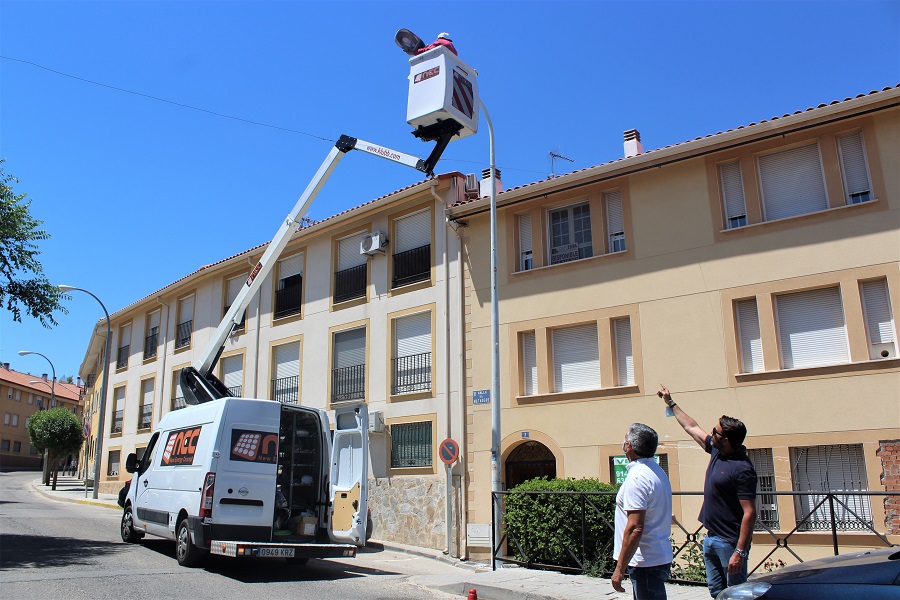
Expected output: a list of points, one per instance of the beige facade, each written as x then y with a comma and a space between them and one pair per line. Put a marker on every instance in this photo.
754, 272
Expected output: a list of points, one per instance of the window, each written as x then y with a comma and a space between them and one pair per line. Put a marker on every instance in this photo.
124, 346
822, 469
151, 340
348, 375
350, 280
233, 374
811, 328
6, 417
118, 410
112, 468
411, 445
17, 447
4, 445
526, 259
749, 339
185, 322
766, 506
570, 233
290, 286
412, 354
624, 357
233, 287
177, 394
145, 419
15, 420
792, 182
412, 249
733, 195
286, 383
879, 319
615, 221
855, 168
529, 363
576, 358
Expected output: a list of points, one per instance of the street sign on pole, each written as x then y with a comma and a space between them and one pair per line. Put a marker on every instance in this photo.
448, 451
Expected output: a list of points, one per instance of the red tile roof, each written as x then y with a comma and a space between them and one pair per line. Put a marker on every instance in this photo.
69, 391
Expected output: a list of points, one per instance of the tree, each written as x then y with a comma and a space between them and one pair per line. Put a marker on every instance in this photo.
59, 432
22, 280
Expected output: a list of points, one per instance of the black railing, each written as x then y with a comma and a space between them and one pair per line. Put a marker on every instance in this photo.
286, 390
288, 296
240, 326
350, 283
146, 416
412, 373
150, 343
178, 403
348, 383
183, 334
117, 421
122, 357
236, 391
687, 544
412, 266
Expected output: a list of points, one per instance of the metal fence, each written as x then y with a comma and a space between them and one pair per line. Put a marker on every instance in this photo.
411, 266
150, 343
841, 510
183, 334
122, 357
350, 283
286, 389
412, 373
348, 383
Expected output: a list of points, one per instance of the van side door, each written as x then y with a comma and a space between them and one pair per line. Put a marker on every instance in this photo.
350, 475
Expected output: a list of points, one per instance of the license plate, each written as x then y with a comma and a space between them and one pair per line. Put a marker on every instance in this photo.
277, 552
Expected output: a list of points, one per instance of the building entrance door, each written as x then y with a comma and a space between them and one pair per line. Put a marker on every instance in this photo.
528, 461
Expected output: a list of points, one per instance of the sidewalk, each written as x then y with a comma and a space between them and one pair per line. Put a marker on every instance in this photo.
503, 584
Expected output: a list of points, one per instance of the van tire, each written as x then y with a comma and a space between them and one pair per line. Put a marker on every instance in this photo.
186, 553
129, 535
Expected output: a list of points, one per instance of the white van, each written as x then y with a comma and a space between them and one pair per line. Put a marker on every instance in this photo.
245, 477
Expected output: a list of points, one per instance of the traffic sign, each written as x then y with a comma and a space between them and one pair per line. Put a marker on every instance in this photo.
448, 451
87, 430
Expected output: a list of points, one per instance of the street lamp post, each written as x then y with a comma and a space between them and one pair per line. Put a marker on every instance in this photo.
46, 473
102, 408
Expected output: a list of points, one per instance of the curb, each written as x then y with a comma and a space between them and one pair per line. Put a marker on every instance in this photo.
424, 553
37, 486
489, 592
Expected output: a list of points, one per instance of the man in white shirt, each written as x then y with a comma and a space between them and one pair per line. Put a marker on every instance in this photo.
643, 519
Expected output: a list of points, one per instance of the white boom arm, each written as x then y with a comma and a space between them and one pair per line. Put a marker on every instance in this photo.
207, 360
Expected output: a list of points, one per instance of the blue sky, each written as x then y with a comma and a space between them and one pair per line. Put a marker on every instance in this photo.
138, 192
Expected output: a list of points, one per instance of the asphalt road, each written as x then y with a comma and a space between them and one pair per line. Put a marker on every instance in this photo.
53, 550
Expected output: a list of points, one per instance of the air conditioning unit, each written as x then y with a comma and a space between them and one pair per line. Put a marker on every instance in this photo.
376, 422
472, 186
372, 243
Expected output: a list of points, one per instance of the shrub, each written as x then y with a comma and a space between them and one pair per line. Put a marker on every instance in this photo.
689, 565
547, 528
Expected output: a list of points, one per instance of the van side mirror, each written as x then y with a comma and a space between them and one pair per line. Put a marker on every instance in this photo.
131, 463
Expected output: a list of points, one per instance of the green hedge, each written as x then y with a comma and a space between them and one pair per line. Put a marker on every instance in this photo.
546, 528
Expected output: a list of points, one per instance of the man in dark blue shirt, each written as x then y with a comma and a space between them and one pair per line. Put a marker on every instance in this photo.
729, 497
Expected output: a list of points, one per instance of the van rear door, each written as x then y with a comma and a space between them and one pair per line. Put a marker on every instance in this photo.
350, 475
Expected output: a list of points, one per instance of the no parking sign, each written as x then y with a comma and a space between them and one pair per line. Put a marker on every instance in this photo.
448, 451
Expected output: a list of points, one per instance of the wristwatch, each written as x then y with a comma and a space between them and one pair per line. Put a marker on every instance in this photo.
745, 554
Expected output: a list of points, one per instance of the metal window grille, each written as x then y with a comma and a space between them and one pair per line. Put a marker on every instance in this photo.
412, 373
834, 468
412, 266
411, 445
122, 357
350, 283
286, 390
146, 416
288, 296
183, 334
150, 343
766, 505
236, 390
348, 383
240, 326
117, 421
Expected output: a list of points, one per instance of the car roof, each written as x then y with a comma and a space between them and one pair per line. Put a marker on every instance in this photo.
873, 567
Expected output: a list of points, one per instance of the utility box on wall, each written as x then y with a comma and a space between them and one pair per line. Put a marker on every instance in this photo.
442, 88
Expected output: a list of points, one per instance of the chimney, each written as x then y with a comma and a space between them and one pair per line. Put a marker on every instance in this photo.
44, 376
485, 184
78, 381
6, 366
633, 145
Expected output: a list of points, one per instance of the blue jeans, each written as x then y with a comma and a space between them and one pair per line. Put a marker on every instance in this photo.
649, 583
716, 554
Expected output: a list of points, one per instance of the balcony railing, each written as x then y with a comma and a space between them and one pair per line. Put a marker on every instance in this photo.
350, 283
183, 334
117, 421
288, 297
236, 391
122, 357
146, 416
178, 403
150, 343
348, 383
412, 373
240, 326
412, 266
286, 390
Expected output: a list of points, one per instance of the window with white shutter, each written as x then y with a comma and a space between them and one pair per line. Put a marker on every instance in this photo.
290, 286
232, 288
151, 340
811, 328
855, 168
576, 358
286, 383
624, 356
124, 347
526, 260
412, 354
177, 393
412, 249
876, 302
835, 468
529, 363
118, 410
792, 182
233, 374
348, 374
615, 221
733, 194
185, 322
350, 279
749, 339
145, 418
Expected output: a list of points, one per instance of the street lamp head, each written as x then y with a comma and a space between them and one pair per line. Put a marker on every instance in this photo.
25, 352
65, 288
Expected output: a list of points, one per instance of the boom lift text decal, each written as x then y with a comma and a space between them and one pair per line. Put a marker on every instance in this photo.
254, 446
181, 447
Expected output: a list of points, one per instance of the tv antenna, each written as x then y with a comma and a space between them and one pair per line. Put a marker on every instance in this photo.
554, 155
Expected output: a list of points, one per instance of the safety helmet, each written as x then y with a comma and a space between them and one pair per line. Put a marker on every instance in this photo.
444, 36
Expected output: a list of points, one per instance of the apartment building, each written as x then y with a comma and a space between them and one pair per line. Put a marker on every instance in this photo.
754, 272
362, 306
21, 395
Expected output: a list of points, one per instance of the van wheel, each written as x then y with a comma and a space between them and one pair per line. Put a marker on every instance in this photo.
297, 561
187, 554
129, 535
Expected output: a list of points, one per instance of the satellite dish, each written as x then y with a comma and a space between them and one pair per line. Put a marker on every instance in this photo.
408, 41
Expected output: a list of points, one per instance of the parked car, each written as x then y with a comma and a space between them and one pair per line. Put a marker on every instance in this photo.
873, 575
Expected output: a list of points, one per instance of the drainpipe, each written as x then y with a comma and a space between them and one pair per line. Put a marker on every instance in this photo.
162, 367
256, 349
